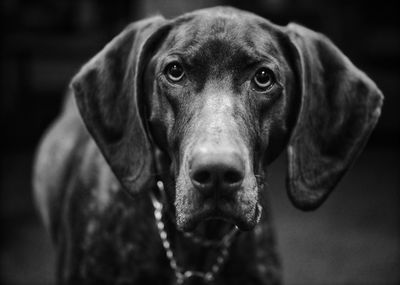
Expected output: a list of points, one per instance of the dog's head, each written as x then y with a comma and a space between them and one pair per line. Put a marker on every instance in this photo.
218, 94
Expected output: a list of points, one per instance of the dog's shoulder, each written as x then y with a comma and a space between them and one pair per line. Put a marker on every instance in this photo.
65, 154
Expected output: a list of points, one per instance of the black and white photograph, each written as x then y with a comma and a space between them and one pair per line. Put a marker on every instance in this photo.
210, 142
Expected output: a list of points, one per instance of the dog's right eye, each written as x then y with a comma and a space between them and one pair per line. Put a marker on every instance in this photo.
174, 72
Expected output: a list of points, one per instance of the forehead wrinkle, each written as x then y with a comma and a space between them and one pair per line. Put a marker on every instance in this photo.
213, 46
266, 29
226, 55
205, 27
181, 35
251, 39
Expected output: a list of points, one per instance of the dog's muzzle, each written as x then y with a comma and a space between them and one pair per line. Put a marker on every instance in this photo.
217, 182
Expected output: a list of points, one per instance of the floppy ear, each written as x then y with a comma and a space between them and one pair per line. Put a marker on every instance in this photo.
108, 90
339, 108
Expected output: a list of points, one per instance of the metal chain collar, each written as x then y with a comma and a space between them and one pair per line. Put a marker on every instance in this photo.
182, 275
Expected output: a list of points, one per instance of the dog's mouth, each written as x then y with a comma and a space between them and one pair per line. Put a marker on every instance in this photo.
216, 222
212, 230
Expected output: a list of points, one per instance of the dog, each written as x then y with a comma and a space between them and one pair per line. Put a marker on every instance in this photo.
155, 170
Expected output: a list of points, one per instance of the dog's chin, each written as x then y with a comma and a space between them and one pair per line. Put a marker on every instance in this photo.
213, 228
201, 220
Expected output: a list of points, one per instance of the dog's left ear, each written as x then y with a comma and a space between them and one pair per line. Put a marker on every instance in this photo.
339, 108
108, 93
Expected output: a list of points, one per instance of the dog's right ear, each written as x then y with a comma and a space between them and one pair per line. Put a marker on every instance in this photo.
108, 90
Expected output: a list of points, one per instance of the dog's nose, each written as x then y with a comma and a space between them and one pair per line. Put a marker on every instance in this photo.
213, 169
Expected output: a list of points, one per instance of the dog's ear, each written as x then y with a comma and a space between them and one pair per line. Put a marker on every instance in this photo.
339, 108
108, 94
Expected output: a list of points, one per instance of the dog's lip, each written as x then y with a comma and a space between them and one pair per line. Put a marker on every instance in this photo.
213, 229
228, 217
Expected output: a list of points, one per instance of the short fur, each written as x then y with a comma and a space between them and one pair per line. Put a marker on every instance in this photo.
124, 126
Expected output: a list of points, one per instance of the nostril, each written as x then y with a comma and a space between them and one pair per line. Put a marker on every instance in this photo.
232, 177
216, 170
202, 176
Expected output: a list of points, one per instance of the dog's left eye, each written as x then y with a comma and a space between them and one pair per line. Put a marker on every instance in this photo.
174, 72
263, 79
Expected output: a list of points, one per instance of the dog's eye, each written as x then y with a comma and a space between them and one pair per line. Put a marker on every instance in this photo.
174, 72
263, 79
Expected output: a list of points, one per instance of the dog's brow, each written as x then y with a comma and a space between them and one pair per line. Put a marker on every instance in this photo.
240, 44
191, 47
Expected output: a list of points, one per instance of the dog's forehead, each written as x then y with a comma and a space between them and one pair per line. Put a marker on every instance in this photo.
228, 32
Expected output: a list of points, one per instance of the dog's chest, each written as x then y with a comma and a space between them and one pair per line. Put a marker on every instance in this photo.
116, 241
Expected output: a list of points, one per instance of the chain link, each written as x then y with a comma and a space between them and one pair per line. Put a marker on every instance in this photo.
182, 275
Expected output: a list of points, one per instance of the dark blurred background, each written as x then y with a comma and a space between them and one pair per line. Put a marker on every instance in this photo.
352, 239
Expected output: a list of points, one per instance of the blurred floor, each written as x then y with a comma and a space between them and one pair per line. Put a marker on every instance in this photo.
352, 239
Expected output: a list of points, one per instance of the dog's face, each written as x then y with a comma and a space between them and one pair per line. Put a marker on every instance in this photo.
220, 93
219, 99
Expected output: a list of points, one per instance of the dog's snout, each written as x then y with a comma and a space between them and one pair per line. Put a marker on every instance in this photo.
213, 169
